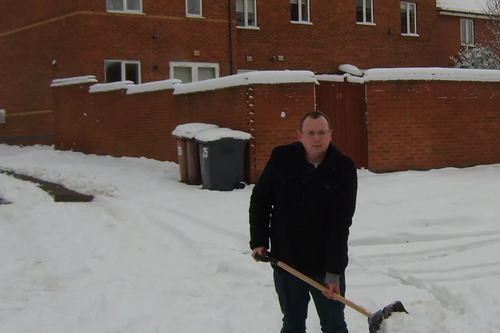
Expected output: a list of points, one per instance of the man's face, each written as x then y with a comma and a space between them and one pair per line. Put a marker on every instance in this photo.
315, 135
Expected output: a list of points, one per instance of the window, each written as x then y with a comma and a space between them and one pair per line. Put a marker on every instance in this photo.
124, 5
408, 18
117, 70
246, 11
193, 71
364, 11
2, 116
300, 10
193, 7
467, 32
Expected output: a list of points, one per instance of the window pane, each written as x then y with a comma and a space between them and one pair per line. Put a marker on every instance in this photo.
134, 5
463, 30
369, 11
183, 74
251, 13
115, 5
470, 32
240, 12
132, 72
194, 7
413, 21
294, 10
359, 10
205, 73
305, 11
113, 71
404, 19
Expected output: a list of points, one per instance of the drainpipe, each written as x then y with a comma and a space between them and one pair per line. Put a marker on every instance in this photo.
230, 37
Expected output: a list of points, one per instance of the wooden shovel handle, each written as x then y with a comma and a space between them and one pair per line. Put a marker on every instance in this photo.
313, 283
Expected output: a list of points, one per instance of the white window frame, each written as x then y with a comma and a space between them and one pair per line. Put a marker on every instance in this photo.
301, 18
245, 15
464, 35
123, 63
188, 14
194, 68
364, 12
409, 5
125, 9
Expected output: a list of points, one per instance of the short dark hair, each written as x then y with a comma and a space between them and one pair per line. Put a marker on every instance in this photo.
314, 115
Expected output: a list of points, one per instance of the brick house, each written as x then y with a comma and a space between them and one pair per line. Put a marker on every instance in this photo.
460, 24
149, 40
192, 40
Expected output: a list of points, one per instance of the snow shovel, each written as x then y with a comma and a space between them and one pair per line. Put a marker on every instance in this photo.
374, 319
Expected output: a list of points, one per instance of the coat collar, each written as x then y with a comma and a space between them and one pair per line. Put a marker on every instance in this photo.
329, 161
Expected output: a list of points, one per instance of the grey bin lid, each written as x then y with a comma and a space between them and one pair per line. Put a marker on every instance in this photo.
221, 134
189, 130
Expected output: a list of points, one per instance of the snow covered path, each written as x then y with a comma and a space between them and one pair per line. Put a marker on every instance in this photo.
152, 255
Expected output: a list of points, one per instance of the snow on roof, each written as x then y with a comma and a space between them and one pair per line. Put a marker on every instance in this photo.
258, 77
100, 87
432, 73
221, 133
191, 129
152, 86
73, 80
464, 6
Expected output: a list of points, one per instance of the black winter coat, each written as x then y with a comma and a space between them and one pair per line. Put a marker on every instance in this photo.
305, 212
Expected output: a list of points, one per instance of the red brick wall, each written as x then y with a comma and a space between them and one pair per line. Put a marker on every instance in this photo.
411, 124
270, 128
432, 124
15, 14
117, 124
334, 38
28, 128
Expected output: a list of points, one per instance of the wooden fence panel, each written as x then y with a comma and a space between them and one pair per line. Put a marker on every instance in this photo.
344, 103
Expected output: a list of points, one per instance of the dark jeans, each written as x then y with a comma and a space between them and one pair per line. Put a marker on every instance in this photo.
294, 296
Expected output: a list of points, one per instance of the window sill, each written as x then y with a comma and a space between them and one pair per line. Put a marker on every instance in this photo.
130, 12
194, 16
410, 35
468, 45
301, 22
247, 28
370, 24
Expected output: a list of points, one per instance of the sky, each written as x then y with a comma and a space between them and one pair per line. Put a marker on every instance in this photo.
152, 255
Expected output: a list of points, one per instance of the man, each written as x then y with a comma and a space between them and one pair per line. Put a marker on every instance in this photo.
303, 203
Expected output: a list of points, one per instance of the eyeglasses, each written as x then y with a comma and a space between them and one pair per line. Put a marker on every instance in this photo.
312, 134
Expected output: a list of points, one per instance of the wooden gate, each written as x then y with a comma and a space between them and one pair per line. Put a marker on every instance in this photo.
344, 103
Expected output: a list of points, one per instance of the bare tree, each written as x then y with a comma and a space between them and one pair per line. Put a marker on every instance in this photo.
491, 10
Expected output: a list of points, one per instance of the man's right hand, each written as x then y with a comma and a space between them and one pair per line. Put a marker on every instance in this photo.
259, 250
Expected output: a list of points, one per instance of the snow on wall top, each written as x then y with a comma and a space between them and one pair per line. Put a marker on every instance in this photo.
101, 87
191, 129
258, 77
464, 6
73, 80
436, 73
152, 86
221, 133
339, 78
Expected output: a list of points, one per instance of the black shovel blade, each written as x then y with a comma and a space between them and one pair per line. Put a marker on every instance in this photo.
375, 320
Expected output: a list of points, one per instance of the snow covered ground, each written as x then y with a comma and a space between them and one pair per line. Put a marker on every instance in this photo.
152, 255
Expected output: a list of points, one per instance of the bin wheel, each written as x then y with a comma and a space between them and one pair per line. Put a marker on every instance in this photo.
240, 185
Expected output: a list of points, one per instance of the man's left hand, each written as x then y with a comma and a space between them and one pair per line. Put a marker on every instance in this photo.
332, 288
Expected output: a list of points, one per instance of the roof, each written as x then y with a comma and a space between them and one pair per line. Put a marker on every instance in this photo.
462, 6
